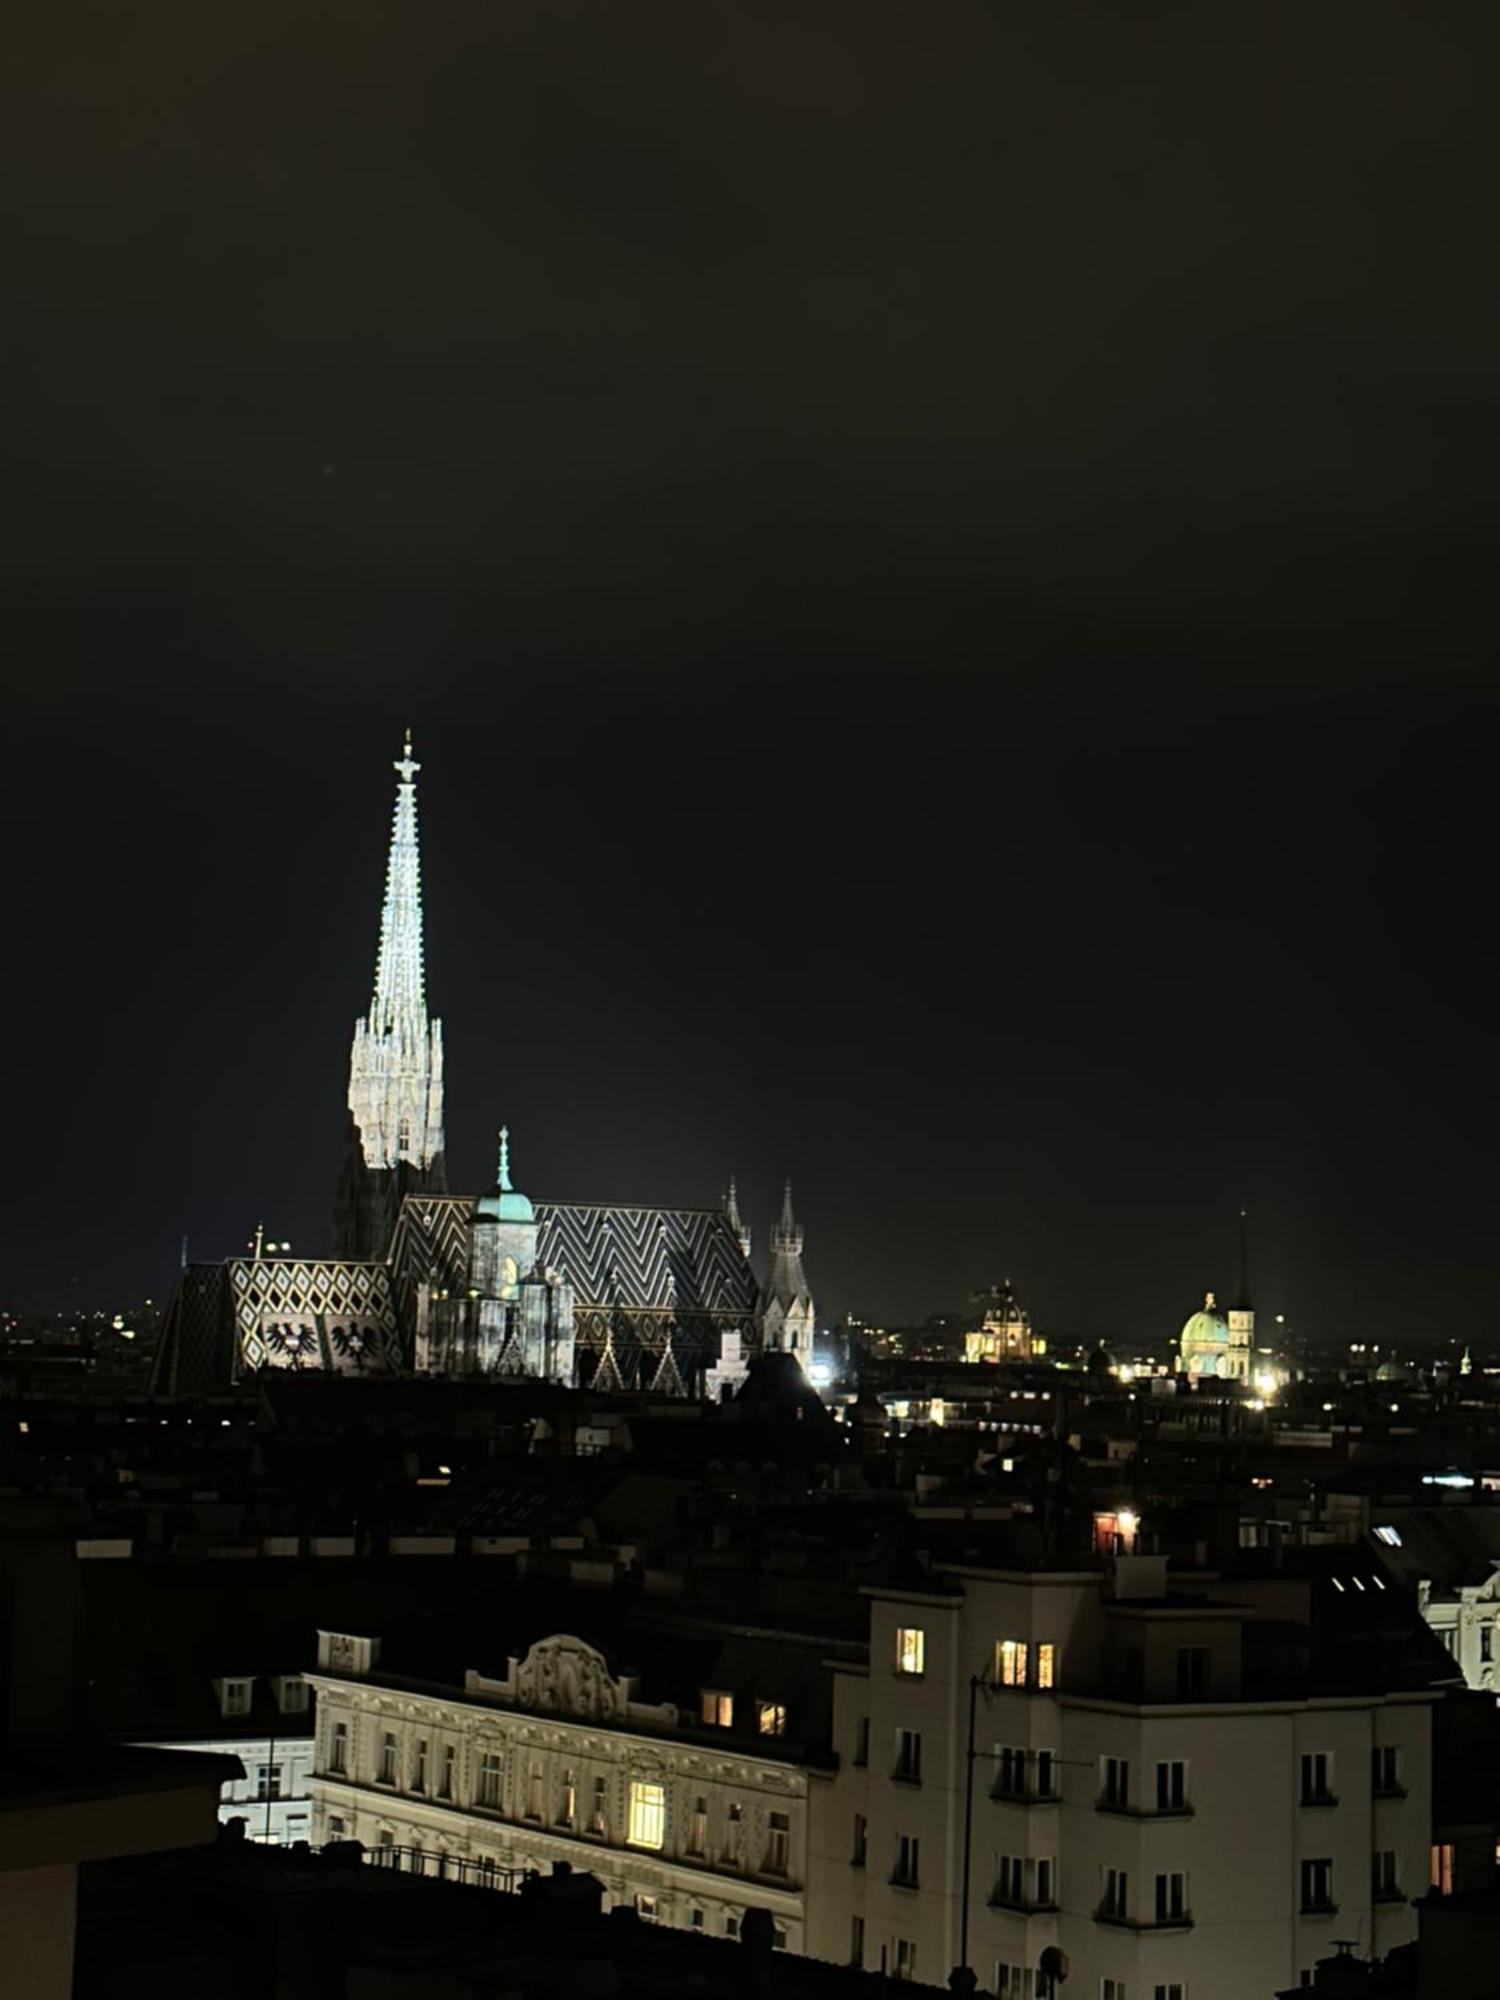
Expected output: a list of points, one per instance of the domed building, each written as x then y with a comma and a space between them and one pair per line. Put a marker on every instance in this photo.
1213, 1345
1006, 1334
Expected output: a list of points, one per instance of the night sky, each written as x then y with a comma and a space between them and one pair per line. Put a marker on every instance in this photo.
940, 562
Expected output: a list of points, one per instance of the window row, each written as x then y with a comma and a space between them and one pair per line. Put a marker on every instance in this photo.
1169, 1989
1168, 1906
1168, 1795
1024, 1774
573, 1807
1025, 1882
1017, 1663
716, 1711
1020, 1663
1317, 1773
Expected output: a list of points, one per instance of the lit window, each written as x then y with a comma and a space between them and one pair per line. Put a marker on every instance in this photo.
1441, 1869
911, 1647
1046, 1664
771, 1717
1011, 1662
648, 1815
717, 1709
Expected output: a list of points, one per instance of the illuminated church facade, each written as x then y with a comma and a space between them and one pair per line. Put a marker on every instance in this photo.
616, 1296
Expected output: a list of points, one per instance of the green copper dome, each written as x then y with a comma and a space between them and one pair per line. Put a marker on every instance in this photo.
1206, 1328
504, 1203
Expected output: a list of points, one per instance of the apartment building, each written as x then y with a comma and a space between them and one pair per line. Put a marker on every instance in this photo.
680, 1783
1180, 1793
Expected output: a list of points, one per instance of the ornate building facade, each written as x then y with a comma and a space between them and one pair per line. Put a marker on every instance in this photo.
561, 1759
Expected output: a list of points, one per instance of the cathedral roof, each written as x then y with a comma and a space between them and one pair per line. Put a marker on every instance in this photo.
612, 1254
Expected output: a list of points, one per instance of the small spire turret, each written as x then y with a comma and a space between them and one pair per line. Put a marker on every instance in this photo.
733, 1217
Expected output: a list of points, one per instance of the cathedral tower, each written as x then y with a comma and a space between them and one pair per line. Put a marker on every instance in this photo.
396, 1063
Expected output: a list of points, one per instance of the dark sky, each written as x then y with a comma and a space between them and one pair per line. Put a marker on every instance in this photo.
941, 564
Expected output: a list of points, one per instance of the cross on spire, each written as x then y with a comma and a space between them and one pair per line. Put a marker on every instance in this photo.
405, 767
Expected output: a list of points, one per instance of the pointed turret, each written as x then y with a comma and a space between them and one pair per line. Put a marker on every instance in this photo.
735, 1220
396, 1061
787, 1318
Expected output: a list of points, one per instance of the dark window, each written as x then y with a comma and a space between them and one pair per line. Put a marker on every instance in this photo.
1192, 1673
1317, 1885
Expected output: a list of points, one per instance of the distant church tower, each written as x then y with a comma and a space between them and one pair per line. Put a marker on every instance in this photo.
787, 1320
1241, 1318
396, 1063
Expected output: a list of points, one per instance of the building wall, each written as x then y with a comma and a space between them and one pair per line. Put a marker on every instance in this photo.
279, 1820
1466, 1622
37, 1922
528, 1827
1239, 1843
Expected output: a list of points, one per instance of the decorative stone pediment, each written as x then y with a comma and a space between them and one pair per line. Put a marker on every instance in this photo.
561, 1676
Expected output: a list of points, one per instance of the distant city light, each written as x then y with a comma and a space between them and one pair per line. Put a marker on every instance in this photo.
1446, 1479
820, 1374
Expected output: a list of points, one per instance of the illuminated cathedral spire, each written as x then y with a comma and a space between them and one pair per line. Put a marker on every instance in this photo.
396, 1062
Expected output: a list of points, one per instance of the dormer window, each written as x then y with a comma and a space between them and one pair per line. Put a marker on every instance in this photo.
291, 1694
771, 1718
717, 1708
234, 1696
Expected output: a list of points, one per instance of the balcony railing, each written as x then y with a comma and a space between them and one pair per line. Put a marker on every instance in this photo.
445, 1867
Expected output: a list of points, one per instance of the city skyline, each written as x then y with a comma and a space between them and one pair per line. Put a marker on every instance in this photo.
943, 589
292, 1197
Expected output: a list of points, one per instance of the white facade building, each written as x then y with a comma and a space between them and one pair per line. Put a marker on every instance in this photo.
274, 1797
1139, 1820
560, 1762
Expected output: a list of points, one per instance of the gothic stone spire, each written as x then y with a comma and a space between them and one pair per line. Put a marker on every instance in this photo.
396, 1064
787, 1316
